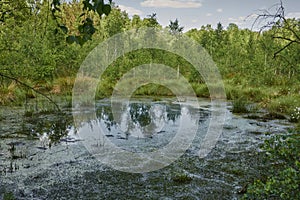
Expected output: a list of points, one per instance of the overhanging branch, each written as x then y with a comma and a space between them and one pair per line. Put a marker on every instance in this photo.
28, 86
280, 50
285, 38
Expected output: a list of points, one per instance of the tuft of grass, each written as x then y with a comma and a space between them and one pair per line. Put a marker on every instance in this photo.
152, 90
240, 105
63, 85
233, 92
8, 93
105, 89
201, 90
253, 94
67, 101
182, 178
156, 98
283, 104
1, 115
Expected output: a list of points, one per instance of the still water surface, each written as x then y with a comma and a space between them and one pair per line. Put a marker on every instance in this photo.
42, 156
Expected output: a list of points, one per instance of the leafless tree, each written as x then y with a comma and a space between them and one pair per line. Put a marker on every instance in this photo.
285, 29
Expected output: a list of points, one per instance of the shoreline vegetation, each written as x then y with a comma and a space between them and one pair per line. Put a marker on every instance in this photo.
279, 100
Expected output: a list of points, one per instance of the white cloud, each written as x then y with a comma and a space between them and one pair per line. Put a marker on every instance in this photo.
171, 3
208, 14
293, 15
219, 10
238, 21
194, 20
130, 10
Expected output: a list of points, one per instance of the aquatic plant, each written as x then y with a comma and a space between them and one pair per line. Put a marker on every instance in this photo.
182, 178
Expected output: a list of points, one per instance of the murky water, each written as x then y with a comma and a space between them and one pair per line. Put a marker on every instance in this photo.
43, 156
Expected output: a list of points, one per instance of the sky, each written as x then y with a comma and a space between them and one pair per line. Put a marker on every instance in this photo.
195, 13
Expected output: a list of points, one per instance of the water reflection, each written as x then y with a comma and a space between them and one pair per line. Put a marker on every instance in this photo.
133, 136
137, 119
50, 128
132, 121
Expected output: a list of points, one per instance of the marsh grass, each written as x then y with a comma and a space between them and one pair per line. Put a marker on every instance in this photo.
63, 86
181, 178
240, 105
201, 90
1, 115
251, 94
284, 104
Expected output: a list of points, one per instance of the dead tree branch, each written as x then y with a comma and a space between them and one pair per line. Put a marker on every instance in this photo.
277, 20
28, 86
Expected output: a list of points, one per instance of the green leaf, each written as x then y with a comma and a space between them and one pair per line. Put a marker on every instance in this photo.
89, 20
71, 39
87, 5
81, 28
64, 29
99, 10
106, 9
79, 40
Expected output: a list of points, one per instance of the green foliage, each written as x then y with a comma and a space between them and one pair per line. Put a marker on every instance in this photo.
8, 196
86, 29
240, 105
181, 178
34, 53
253, 94
116, 22
33, 50
201, 90
153, 90
284, 104
175, 28
247, 57
284, 183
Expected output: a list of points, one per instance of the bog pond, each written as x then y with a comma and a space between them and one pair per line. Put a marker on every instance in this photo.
42, 156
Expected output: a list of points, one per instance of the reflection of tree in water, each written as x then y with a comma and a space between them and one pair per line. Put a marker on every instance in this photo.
105, 114
59, 129
173, 112
140, 114
139, 118
54, 126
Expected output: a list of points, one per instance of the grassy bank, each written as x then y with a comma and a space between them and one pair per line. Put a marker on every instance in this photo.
275, 99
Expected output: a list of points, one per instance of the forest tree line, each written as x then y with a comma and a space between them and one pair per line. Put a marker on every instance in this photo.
35, 50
